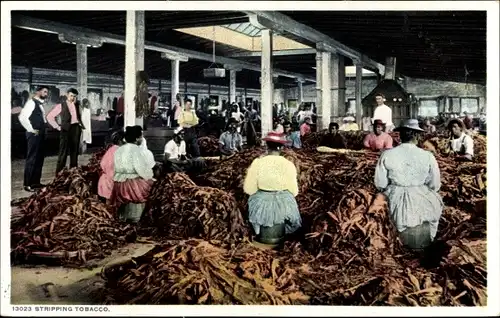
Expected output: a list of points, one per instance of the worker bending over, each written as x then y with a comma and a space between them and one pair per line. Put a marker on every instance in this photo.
133, 176
106, 183
461, 144
409, 177
271, 182
230, 141
176, 157
333, 139
378, 140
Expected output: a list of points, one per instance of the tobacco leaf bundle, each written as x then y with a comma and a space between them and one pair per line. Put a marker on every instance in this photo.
199, 272
69, 228
178, 209
209, 146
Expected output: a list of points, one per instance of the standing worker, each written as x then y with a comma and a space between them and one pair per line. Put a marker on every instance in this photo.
378, 139
70, 128
32, 117
271, 182
383, 112
188, 121
409, 177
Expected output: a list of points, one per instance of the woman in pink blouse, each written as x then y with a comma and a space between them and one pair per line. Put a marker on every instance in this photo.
106, 183
378, 139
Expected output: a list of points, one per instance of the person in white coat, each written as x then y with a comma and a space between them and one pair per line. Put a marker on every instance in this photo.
87, 123
383, 112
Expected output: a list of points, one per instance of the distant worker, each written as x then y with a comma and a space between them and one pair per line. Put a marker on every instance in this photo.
383, 112
333, 139
230, 141
106, 183
188, 121
70, 129
349, 124
468, 121
176, 157
305, 128
271, 183
32, 118
410, 179
461, 144
133, 175
378, 139
87, 123
292, 135
278, 126
428, 127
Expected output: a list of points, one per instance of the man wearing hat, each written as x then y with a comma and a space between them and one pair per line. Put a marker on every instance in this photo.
460, 143
410, 179
176, 157
349, 124
271, 183
378, 139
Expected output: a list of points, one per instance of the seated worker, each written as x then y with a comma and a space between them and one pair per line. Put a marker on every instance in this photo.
378, 139
305, 128
133, 176
106, 183
271, 183
230, 141
410, 179
333, 139
460, 143
278, 126
292, 136
349, 124
176, 158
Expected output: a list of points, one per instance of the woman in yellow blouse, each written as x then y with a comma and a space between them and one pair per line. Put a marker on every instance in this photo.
188, 120
271, 182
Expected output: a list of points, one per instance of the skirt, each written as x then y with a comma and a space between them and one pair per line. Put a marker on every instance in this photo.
131, 191
266, 208
105, 186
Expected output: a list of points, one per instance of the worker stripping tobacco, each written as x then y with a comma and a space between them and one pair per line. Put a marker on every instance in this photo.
305, 128
410, 178
333, 139
133, 175
230, 141
461, 144
292, 135
188, 121
271, 182
378, 139
176, 157
349, 124
106, 183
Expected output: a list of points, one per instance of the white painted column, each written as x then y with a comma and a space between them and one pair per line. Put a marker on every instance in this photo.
319, 102
326, 84
359, 92
266, 86
174, 80
232, 85
134, 61
301, 90
81, 70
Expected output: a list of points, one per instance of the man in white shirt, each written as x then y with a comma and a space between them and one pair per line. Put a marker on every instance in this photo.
460, 143
176, 158
383, 112
32, 118
303, 114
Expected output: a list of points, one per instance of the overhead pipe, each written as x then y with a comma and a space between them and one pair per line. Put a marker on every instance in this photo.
47, 26
284, 24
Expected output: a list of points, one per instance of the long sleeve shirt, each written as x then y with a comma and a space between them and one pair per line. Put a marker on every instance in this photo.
188, 118
24, 116
271, 173
54, 112
131, 162
384, 113
380, 142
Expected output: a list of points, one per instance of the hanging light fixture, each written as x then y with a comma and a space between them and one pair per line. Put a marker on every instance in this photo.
213, 71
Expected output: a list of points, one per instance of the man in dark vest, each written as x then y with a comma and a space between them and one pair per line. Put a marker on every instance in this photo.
32, 117
70, 128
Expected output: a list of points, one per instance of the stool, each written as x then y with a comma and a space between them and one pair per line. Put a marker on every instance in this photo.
272, 235
131, 212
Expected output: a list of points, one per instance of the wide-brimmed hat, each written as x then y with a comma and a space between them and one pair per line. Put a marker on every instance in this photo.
457, 121
275, 137
377, 122
349, 118
410, 124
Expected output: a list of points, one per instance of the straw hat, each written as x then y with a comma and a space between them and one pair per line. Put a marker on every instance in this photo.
177, 130
275, 137
410, 124
377, 122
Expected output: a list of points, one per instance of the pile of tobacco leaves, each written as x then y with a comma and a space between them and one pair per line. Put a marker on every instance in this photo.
65, 223
209, 146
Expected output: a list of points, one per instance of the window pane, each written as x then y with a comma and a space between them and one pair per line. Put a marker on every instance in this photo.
428, 108
469, 105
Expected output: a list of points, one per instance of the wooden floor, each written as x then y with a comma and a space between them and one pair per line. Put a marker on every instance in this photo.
48, 173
